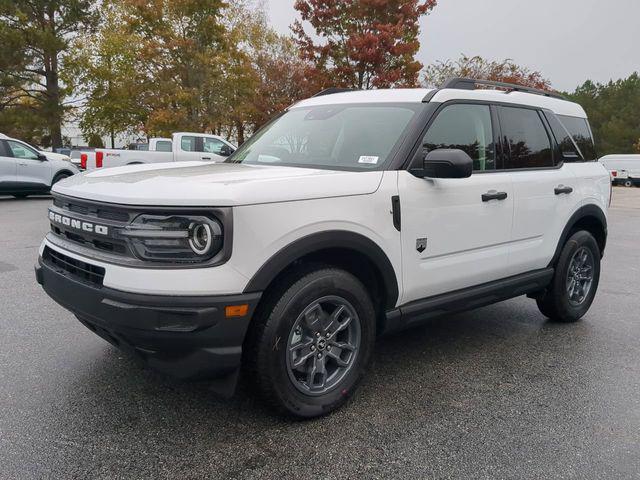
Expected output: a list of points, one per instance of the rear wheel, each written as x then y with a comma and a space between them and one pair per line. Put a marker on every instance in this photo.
20, 195
575, 281
628, 183
312, 343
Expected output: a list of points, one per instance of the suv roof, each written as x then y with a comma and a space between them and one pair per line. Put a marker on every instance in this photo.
466, 91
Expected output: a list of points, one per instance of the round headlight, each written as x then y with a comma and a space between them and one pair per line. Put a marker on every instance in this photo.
174, 238
200, 238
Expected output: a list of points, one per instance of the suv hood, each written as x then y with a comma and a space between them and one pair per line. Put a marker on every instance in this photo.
220, 185
56, 156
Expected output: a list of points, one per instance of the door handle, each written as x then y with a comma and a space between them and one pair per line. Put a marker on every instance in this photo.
493, 195
22, 164
559, 190
206, 158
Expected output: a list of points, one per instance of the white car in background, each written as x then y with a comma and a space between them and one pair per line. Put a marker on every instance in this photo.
182, 147
25, 170
49, 155
624, 169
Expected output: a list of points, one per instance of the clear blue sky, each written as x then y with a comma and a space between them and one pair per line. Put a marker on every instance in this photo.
568, 40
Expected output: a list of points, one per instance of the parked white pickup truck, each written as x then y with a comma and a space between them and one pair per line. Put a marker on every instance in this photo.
183, 147
158, 144
624, 169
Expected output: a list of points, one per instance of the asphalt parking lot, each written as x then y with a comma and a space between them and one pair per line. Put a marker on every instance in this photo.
494, 393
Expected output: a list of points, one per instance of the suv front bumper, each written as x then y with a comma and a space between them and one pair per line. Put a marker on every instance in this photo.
185, 337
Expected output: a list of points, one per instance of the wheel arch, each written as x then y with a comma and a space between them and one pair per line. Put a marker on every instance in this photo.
62, 171
352, 251
590, 218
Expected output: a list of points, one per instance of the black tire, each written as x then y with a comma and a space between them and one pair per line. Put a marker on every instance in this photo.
628, 183
58, 177
20, 195
557, 304
267, 348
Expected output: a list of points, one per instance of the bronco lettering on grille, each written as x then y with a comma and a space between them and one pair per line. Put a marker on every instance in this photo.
78, 224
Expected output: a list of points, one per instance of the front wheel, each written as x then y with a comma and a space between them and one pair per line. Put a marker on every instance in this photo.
311, 346
575, 281
628, 183
59, 177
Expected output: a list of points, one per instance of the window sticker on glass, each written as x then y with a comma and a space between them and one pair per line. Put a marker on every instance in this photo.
369, 159
268, 158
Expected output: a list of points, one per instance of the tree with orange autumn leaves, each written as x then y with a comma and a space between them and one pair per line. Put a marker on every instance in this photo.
477, 67
361, 44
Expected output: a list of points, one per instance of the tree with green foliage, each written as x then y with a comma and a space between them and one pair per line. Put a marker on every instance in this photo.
614, 113
182, 49
268, 74
107, 72
34, 35
146, 71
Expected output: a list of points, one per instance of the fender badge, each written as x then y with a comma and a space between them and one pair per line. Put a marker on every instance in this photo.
421, 244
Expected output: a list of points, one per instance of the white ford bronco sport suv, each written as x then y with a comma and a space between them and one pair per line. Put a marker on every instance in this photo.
350, 215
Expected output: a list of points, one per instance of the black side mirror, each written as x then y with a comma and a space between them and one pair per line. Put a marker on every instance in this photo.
226, 150
42, 157
443, 163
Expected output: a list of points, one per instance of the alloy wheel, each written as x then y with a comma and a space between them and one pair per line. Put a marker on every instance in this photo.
580, 276
323, 345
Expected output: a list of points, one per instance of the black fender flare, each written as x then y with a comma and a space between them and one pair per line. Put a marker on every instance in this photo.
330, 239
590, 210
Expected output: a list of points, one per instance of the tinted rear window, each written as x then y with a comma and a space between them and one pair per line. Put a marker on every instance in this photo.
526, 142
581, 133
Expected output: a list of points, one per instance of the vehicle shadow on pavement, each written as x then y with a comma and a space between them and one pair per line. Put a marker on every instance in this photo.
453, 369
10, 199
432, 357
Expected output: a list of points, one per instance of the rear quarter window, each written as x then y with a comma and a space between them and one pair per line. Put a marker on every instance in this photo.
581, 133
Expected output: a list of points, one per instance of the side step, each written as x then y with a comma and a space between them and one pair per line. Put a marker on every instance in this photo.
418, 311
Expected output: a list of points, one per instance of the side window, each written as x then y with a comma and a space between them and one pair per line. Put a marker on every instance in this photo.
568, 148
213, 145
163, 146
4, 150
467, 128
526, 142
188, 144
22, 151
581, 133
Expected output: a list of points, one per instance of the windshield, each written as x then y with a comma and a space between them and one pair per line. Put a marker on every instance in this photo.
341, 137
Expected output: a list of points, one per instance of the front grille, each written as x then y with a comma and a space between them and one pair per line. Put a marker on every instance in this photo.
108, 245
112, 216
78, 270
93, 210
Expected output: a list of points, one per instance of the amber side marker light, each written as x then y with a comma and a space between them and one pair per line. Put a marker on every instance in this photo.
236, 310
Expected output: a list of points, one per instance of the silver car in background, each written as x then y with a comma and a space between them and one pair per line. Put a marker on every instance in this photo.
25, 170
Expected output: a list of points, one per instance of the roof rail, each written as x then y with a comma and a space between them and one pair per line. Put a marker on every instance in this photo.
473, 83
332, 90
